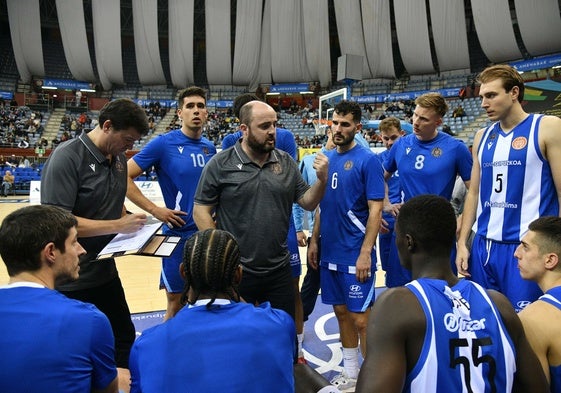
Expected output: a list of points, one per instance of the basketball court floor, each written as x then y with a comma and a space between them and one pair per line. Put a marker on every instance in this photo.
140, 277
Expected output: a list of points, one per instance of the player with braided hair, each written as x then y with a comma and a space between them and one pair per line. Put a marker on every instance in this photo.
211, 261
214, 339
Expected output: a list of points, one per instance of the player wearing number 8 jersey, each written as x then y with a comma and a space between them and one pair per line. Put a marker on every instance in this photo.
439, 333
428, 162
516, 178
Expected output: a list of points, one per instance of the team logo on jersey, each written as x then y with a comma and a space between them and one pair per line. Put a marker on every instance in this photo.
436, 152
407, 150
180, 148
276, 168
348, 165
240, 166
119, 166
92, 166
519, 143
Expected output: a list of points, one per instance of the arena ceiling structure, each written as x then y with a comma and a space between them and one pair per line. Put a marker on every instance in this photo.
251, 42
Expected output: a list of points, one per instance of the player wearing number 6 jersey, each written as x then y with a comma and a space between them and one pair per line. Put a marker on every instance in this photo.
178, 157
439, 333
516, 178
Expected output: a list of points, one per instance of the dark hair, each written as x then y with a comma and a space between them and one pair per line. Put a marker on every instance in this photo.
345, 106
429, 219
548, 229
26, 231
210, 260
188, 92
124, 113
507, 74
387, 123
241, 100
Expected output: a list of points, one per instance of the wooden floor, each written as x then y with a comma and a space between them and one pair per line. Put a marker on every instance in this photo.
140, 275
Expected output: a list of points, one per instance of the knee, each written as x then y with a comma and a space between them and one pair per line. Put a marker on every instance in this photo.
360, 321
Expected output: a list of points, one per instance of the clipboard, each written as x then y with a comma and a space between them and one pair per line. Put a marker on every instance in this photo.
146, 242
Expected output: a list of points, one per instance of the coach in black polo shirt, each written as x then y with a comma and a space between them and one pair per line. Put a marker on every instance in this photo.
252, 187
88, 177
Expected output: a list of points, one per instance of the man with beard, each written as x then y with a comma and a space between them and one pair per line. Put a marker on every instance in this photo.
251, 188
348, 221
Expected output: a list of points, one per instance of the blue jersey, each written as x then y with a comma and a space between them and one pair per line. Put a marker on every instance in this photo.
429, 167
309, 175
51, 343
179, 162
233, 347
516, 183
284, 141
355, 177
553, 297
467, 347
395, 195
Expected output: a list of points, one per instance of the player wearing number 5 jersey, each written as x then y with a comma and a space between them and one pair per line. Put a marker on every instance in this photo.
178, 157
440, 334
516, 178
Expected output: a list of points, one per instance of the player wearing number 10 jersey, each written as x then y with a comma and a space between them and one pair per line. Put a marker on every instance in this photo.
178, 157
441, 334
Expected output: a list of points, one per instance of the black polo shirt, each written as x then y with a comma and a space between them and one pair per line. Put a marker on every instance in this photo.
79, 178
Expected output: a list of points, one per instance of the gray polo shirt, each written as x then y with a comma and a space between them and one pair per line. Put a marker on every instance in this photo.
253, 203
79, 178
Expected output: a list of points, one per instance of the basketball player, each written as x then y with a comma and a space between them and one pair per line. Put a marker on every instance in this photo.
538, 258
50, 343
516, 178
217, 343
439, 333
428, 162
347, 224
390, 131
179, 157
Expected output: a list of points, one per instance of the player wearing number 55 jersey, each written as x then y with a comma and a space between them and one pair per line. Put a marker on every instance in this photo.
439, 333
516, 178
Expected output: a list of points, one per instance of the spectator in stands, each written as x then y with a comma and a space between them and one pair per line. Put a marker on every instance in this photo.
516, 179
88, 177
249, 348
458, 112
440, 333
24, 143
179, 157
24, 163
49, 343
7, 183
539, 258
78, 95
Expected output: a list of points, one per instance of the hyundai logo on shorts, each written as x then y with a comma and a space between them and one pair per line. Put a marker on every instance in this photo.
355, 288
